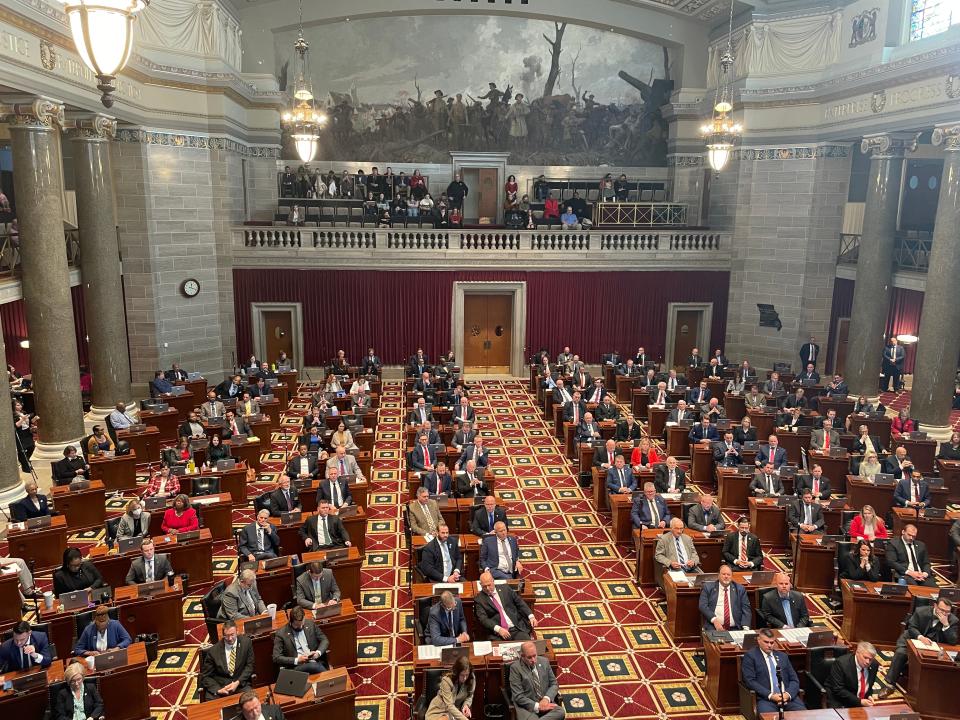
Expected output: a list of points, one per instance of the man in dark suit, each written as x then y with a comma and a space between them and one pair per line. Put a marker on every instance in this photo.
649, 510
316, 587
628, 429
580, 378
420, 413
818, 485
898, 464
426, 387
741, 548
935, 623
252, 709
440, 559
417, 365
371, 363
160, 385
469, 481
805, 516
771, 452
487, 516
464, 411
912, 491
809, 352
726, 453
496, 603
589, 429
177, 373
809, 376
669, 477
149, 566
894, 356
680, 413
714, 369
561, 393
797, 400
642, 357
259, 539
446, 624
475, 451
72, 467
300, 645
620, 479
908, 559
774, 386
227, 666
605, 459
334, 489
324, 530
704, 431
234, 424
463, 436
724, 605
766, 482
699, 395
705, 515
500, 554
695, 359
851, 678
575, 409
438, 481
32, 506
423, 456
607, 410
825, 438
759, 672
285, 498
302, 465
596, 392
229, 388
837, 387
26, 649
783, 607
427, 430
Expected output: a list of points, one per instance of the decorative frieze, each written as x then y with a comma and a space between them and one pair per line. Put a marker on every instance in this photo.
93, 127
196, 142
948, 136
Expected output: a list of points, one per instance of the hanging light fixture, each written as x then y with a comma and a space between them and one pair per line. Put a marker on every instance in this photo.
721, 133
302, 117
103, 33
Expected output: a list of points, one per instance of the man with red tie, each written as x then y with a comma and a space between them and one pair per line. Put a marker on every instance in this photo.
851, 678
423, 457
438, 482
725, 604
598, 392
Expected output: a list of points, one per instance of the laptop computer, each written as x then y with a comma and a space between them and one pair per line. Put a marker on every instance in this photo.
29, 681
291, 518
893, 590
884, 479
101, 595
137, 428
701, 578
110, 660
125, 545
761, 577
267, 398
950, 593
931, 512
74, 600
228, 464
819, 638
327, 611
153, 503
751, 445
153, 587
178, 469
37, 522
186, 536
238, 439
258, 625
336, 554
79, 485
348, 511
291, 682
750, 642
272, 382
277, 562
332, 686
194, 376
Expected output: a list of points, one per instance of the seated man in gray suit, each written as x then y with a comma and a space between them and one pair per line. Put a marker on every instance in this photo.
345, 463
675, 551
241, 598
317, 587
534, 687
825, 438
807, 516
300, 644
149, 566
705, 516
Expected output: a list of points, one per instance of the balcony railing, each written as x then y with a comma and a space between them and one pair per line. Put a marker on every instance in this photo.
10, 249
911, 250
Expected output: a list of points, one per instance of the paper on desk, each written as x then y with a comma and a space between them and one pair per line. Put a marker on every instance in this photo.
448, 586
428, 652
795, 635
506, 648
482, 648
923, 646
495, 582
670, 496
678, 576
738, 635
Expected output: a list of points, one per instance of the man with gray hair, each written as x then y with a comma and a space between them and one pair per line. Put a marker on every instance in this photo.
534, 687
851, 678
241, 599
675, 551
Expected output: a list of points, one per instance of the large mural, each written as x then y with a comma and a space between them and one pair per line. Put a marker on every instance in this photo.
410, 89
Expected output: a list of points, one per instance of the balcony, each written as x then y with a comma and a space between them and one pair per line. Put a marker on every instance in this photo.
480, 249
911, 252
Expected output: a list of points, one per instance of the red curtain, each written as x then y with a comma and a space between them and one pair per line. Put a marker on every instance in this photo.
14, 320
395, 312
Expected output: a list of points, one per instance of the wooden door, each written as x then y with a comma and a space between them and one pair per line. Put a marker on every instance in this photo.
686, 336
278, 334
489, 193
487, 332
843, 334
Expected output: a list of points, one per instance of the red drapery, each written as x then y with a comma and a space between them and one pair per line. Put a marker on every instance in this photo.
14, 320
395, 312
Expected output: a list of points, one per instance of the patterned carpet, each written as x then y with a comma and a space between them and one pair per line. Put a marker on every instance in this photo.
616, 659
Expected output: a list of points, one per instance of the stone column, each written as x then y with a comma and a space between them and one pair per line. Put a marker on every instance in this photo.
34, 132
100, 264
874, 283
10, 487
939, 344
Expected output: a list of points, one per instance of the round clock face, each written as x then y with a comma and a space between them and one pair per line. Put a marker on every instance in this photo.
190, 287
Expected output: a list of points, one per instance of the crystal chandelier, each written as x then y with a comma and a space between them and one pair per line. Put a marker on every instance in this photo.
721, 133
302, 118
103, 33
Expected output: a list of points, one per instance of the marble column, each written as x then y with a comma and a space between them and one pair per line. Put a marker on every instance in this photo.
874, 283
939, 344
11, 488
100, 265
54, 364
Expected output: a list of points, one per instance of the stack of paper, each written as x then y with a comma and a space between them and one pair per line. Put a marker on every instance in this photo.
440, 587
678, 576
795, 635
482, 648
428, 652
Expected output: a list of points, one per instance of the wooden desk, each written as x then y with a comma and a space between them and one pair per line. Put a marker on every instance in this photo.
359, 489
346, 571
843, 407
470, 591
678, 440
932, 674
215, 513
657, 419
949, 470
639, 403
921, 452
126, 695
247, 453
167, 423
233, 482
861, 491
709, 549
874, 618
733, 489
768, 521
31, 704
794, 442
835, 469
814, 571
44, 546
145, 444
292, 544
868, 713
763, 422
734, 406
194, 557
684, 621
701, 470
197, 388
84, 509
261, 428
9, 596
933, 532
116, 473
184, 403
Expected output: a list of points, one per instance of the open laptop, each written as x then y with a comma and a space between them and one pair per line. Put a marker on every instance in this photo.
348, 511
228, 464
336, 554
194, 376
28, 681
125, 545
76, 485
326, 611
101, 595
110, 660
291, 518
332, 686
761, 577
272, 382
187, 536
74, 600
893, 590
153, 503
291, 682
258, 625
38, 522
277, 562
153, 587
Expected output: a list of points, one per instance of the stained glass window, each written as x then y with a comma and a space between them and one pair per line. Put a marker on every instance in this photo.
930, 17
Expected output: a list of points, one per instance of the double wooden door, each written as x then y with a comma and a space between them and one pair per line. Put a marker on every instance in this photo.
487, 332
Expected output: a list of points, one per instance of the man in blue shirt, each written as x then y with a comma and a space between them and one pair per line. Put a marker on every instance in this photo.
160, 385
569, 220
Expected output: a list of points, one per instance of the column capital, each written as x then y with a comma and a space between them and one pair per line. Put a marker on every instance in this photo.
947, 135
42, 113
97, 127
889, 145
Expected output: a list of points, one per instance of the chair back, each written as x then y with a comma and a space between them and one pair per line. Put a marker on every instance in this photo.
507, 692
211, 609
110, 530
261, 502
206, 486
431, 683
761, 594
423, 616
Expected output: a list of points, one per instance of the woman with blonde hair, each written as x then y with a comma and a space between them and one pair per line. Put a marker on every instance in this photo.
78, 699
867, 526
870, 466
135, 521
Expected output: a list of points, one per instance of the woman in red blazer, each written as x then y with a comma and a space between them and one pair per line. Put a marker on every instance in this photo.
867, 526
643, 449
181, 517
902, 424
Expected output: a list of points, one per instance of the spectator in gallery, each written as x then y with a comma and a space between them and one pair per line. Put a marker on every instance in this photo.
426, 205
418, 186
288, 183
385, 221
413, 207
442, 218
551, 208
456, 217
370, 207
457, 190
607, 191
580, 207
346, 185
569, 220
510, 190
621, 188
541, 189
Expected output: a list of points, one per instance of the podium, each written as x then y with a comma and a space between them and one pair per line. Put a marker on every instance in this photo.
769, 520
44, 546
145, 444
167, 423
932, 674
814, 571
116, 473
84, 509
678, 440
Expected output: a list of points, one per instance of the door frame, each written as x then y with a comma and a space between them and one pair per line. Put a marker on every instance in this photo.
483, 160
703, 330
259, 332
518, 339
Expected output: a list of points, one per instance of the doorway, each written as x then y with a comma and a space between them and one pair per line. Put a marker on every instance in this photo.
484, 173
840, 351
487, 333
276, 327
278, 333
688, 327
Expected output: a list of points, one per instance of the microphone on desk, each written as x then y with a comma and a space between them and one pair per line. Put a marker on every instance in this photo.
781, 704
31, 564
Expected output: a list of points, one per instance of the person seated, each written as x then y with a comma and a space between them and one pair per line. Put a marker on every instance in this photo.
699, 395
446, 623
851, 678
902, 424
500, 554
417, 364
265, 372
149, 566
713, 410
302, 465
831, 416
463, 411
669, 477
705, 516
423, 514
726, 453
234, 425
758, 671
477, 452
866, 442
163, 484
241, 599
34, 505
755, 400
300, 644
649, 510
285, 498
177, 374
119, 417
99, 442
809, 376
569, 220
695, 359
704, 432
898, 464
825, 439
912, 491
71, 468
426, 387
192, 427
620, 479
494, 602
438, 481
75, 573
605, 459
628, 430
860, 564
464, 435
78, 698
771, 452
427, 430
607, 410
628, 369
673, 380
420, 413
950, 450
441, 560
232, 387
818, 485
680, 413
423, 457
866, 525
216, 451
714, 369
324, 530
101, 635
26, 648
259, 540
486, 517
675, 551
316, 587
659, 396
784, 607
745, 432
806, 516
797, 400
774, 386
870, 466
596, 392
469, 481
929, 624
589, 429
741, 548
335, 490
790, 419
227, 666
575, 409
181, 517
580, 378
766, 482
533, 687
160, 385
907, 559
212, 408
724, 604
643, 455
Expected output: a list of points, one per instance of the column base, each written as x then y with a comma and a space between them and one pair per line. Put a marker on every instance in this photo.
12, 494
97, 414
940, 433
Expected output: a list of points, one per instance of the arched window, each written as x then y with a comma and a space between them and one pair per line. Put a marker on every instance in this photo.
931, 17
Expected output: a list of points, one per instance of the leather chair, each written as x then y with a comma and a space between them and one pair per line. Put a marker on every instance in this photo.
81, 620
110, 528
211, 609
761, 594
206, 486
261, 502
421, 618
431, 686
820, 661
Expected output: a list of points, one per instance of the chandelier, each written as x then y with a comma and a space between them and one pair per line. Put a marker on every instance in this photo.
721, 133
103, 33
302, 117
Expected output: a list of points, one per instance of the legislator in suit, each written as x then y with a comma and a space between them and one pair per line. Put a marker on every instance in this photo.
819, 439
649, 511
775, 454
324, 531
809, 352
423, 456
67, 705
727, 451
816, 483
259, 539
302, 465
912, 492
12, 656
531, 680
758, 671
423, 514
499, 555
937, 622
675, 551
667, 479
906, 555
894, 356
809, 515
784, 608
703, 431
705, 515
228, 664
437, 483
496, 602
724, 604
476, 452
300, 645
851, 678
741, 549
446, 621
144, 570
470, 483
766, 483
285, 498
441, 557
620, 479
316, 586
336, 491
486, 517
241, 598
102, 634
32, 506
